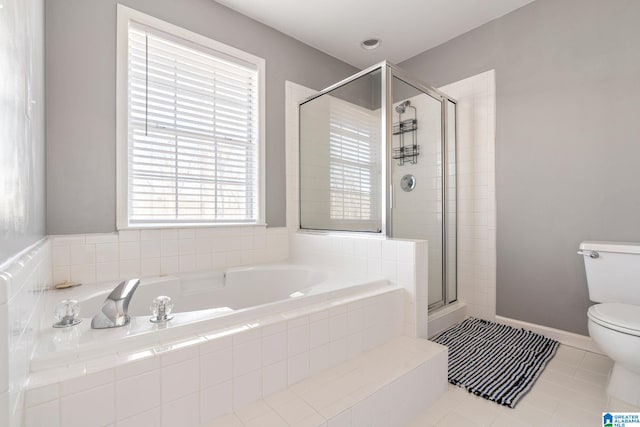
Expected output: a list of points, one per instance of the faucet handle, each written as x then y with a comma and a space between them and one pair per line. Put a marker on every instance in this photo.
66, 313
161, 309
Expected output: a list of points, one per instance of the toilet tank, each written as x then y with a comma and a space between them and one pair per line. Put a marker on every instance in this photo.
613, 275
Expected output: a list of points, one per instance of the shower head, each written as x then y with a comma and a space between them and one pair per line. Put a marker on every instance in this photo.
402, 107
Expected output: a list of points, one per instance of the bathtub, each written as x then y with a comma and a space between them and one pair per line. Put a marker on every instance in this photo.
219, 291
206, 304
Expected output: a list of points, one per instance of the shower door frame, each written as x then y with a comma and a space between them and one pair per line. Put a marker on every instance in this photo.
444, 144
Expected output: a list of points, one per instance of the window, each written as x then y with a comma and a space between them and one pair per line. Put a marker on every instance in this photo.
189, 127
353, 162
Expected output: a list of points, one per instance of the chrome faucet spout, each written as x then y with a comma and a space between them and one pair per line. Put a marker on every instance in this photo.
114, 310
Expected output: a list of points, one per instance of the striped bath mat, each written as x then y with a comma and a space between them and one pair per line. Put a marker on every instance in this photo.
494, 361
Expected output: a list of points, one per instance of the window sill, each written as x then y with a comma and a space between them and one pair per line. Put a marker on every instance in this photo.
203, 225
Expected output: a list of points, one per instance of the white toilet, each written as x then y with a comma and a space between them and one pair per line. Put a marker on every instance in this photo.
613, 278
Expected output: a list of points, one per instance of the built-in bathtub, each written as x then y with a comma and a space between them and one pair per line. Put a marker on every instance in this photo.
204, 301
219, 291
237, 336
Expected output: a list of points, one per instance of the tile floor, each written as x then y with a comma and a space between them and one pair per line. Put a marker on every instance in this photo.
570, 392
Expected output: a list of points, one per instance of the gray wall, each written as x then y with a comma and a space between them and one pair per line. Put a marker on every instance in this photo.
81, 78
22, 148
567, 143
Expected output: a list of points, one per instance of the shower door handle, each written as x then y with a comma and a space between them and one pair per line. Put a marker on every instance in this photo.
391, 197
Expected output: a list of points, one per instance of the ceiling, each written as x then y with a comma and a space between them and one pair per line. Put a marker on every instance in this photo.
406, 27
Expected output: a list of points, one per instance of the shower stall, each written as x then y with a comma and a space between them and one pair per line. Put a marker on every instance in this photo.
378, 155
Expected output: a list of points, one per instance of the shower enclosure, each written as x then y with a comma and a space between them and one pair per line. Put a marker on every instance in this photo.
378, 155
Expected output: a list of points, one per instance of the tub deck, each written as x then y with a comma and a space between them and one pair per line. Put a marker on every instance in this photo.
80, 346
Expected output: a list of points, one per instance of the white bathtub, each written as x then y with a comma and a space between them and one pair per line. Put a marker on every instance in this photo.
204, 302
230, 290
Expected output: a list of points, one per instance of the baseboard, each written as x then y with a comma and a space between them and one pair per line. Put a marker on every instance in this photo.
567, 338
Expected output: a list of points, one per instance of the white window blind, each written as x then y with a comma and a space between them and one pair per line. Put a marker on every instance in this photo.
353, 162
193, 132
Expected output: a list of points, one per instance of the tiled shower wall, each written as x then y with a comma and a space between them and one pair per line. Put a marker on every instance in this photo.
22, 281
476, 192
133, 253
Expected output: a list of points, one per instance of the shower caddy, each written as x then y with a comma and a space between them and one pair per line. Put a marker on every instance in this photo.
406, 153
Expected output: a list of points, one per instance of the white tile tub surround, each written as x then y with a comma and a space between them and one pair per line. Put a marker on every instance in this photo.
22, 280
402, 262
476, 192
209, 375
86, 258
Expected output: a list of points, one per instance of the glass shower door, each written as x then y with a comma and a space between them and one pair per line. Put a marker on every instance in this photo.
418, 182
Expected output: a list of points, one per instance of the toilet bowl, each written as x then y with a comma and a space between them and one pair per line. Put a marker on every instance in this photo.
613, 278
615, 328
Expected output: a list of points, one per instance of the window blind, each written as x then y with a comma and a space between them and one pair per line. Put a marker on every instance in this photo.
353, 162
192, 132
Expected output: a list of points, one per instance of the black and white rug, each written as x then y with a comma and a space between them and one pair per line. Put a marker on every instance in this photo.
498, 362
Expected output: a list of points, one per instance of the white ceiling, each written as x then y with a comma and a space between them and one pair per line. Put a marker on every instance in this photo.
406, 27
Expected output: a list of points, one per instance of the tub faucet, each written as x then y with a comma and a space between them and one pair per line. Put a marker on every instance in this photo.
113, 312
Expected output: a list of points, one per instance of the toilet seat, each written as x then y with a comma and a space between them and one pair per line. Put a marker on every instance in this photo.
619, 317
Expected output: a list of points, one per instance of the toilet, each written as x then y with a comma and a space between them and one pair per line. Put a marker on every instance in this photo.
613, 279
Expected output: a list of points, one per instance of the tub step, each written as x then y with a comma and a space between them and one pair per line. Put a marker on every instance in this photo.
387, 386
